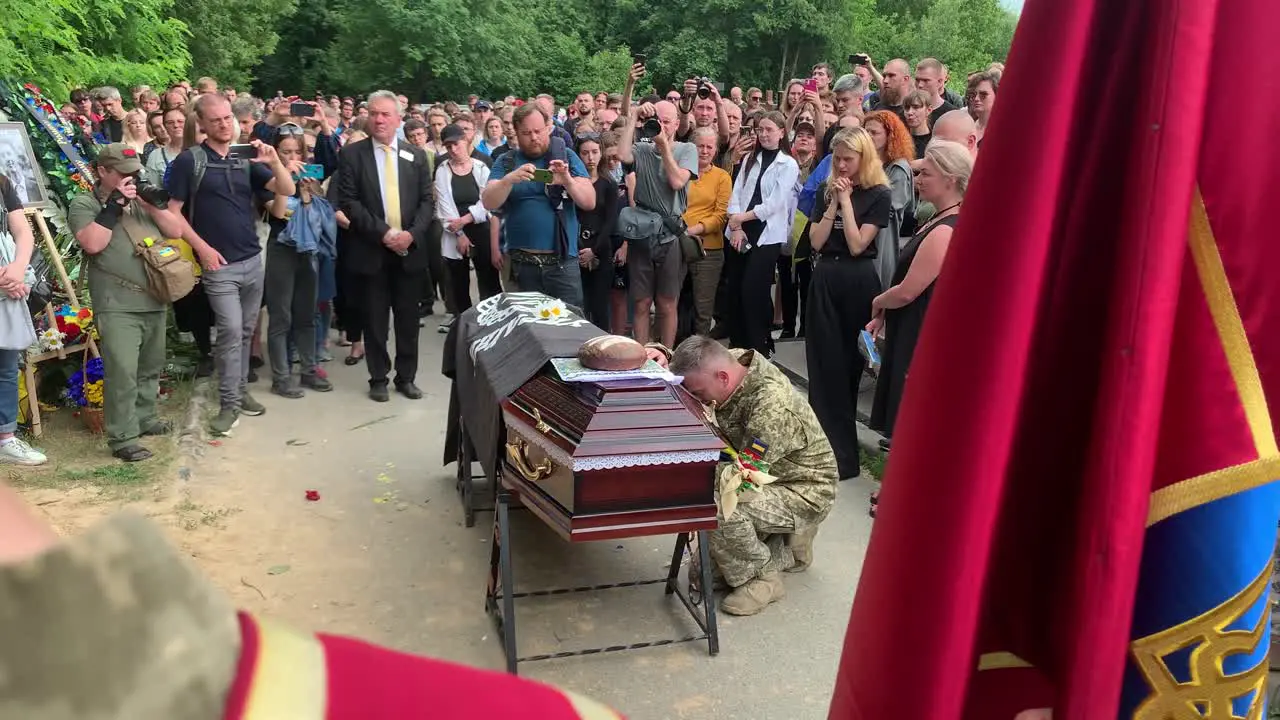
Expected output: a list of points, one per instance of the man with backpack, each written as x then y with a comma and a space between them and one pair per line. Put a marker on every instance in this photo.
217, 193
536, 188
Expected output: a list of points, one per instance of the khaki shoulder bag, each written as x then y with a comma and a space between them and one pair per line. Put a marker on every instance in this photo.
169, 275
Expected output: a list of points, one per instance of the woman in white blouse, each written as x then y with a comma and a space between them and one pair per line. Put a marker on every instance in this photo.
459, 183
760, 210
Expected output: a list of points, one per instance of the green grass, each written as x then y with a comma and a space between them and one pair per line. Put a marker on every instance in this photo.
78, 458
107, 475
874, 464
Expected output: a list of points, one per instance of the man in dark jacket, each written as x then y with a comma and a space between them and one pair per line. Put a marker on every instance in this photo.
385, 191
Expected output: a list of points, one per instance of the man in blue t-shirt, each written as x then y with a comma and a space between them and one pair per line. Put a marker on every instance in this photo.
539, 218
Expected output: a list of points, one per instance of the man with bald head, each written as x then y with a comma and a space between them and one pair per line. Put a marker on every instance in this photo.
894, 87
957, 126
663, 169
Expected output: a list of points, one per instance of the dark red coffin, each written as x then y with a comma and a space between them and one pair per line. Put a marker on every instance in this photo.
614, 459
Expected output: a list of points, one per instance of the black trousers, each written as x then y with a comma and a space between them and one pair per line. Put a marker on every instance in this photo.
787, 292
595, 294
348, 304
193, 314
392, 292
459, 282
749, 305
804, 271
436, 287
840, 296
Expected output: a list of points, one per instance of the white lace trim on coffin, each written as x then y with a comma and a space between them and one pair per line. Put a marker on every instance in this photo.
609, 462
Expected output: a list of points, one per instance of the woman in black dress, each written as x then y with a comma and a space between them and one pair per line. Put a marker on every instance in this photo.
899, 311
851, 208
595, 233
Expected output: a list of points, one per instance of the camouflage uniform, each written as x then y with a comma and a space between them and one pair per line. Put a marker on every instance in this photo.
115, 625
751, 543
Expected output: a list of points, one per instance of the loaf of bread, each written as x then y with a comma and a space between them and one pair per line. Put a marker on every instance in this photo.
612, 352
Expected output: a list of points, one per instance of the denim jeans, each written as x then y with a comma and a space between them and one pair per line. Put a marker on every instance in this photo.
563, 281
9, 390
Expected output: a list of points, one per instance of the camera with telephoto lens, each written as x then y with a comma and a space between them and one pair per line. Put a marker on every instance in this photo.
650, 130
704, 87
152, 194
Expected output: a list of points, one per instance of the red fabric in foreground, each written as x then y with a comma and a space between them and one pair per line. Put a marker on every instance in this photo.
1013, 514
367, 682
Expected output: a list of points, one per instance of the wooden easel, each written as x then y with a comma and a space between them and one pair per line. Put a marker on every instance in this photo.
34, 359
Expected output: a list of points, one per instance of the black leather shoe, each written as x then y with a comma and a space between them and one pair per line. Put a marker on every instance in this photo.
132, 453
885, 443
409, 390
378, 393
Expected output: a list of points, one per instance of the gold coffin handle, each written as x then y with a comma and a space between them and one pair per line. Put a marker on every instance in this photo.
517, 454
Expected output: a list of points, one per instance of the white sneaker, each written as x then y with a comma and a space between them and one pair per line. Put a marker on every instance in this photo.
18, 452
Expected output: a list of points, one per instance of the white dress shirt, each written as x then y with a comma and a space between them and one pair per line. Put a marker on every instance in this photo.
777, 197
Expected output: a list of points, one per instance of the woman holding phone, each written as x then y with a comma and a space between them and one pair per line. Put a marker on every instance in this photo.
850, 209
759, 224
458, 184
302, 226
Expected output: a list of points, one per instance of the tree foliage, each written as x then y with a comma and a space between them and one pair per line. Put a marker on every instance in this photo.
62, 44
435, 49
229, 37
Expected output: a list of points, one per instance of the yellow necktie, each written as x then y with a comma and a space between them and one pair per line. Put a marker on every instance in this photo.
391, 186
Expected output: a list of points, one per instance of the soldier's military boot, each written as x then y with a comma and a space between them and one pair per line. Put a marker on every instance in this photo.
801, 544
754, 596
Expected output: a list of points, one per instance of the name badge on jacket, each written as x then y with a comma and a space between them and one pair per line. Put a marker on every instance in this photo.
405, 154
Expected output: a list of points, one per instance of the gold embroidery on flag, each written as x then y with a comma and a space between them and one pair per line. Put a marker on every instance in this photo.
1001, 661
1202, 489
1209, 692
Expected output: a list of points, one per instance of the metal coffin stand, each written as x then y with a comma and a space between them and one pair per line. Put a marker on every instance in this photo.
578, 458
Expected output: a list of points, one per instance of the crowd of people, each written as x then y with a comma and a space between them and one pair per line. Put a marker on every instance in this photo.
815, 217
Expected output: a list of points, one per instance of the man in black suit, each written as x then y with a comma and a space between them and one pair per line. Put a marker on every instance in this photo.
385, 189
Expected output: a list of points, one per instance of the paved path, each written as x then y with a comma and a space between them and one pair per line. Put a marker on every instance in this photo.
384, 555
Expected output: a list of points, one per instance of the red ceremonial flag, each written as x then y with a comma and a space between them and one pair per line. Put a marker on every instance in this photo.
1068, 509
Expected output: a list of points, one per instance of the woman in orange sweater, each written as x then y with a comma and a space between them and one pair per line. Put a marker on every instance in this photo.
706, 215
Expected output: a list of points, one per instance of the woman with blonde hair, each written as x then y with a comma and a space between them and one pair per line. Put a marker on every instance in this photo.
136, 135
899, 311
851, 208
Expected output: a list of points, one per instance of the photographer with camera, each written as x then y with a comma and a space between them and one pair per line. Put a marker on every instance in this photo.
125, 210
653, 227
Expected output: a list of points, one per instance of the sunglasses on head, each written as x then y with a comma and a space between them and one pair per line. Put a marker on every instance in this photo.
591, 136
290, 129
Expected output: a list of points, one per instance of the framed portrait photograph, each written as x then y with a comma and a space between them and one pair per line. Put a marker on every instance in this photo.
18, 163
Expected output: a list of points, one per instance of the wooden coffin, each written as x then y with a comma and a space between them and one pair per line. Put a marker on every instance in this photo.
609, 460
